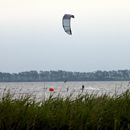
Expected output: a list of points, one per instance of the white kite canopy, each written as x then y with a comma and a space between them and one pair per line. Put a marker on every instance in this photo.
66, 23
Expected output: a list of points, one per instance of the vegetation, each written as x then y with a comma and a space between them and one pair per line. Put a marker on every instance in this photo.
85, 112
34, 76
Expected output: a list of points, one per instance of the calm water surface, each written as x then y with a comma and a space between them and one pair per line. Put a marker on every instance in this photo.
41, 89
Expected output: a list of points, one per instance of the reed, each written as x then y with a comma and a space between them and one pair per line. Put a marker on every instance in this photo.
85, 112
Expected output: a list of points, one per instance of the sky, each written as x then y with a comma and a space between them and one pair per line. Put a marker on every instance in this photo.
32, 36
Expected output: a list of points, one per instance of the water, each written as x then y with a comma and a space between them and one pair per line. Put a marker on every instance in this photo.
41, 89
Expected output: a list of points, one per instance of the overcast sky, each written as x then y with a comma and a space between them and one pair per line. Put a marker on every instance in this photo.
32, 37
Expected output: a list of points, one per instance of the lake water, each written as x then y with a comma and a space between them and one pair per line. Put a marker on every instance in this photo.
41, 89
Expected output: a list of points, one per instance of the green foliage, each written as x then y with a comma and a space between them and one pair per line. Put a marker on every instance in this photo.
85, 112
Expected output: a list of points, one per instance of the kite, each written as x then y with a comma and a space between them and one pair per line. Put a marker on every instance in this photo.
66, 22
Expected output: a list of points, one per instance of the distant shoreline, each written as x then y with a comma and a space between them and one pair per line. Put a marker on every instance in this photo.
65, 76
58, 81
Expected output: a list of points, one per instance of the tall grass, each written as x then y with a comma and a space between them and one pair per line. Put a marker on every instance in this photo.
85, 112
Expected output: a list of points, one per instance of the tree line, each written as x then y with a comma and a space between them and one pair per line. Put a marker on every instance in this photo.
41, 76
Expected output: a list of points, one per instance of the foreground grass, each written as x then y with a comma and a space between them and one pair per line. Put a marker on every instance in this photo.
86, 112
